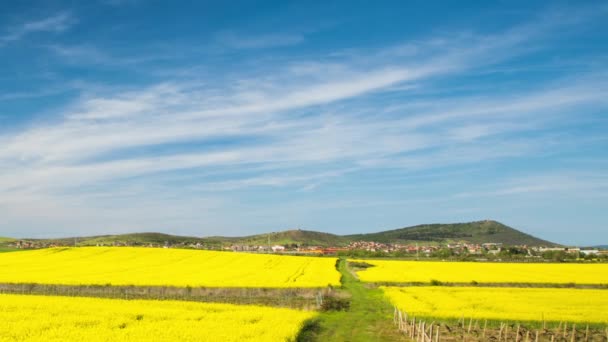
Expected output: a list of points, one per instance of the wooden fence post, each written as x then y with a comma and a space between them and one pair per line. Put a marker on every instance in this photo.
413, 327
399, 318
395, 315
587, 333
422, 328
573, 332
485, 324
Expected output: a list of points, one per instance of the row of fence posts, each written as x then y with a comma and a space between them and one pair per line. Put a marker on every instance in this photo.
420, 331
417, 330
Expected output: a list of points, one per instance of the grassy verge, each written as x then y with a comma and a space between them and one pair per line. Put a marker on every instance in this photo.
370, 317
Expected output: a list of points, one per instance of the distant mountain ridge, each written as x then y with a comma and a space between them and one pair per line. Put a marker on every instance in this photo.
470, 232
473, 232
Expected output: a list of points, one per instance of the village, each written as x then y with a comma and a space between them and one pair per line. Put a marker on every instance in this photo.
461, 249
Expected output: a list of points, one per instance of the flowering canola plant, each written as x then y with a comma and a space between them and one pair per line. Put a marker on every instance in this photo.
48, 318
165, 267
483, 272
502, 303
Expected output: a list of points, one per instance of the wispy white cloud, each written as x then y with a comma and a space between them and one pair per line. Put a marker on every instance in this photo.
89, 54
56, 23
66, 153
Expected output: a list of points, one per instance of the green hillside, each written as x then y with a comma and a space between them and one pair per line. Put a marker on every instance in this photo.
474, 232
288, 237
4, 241
140, 239
134, 239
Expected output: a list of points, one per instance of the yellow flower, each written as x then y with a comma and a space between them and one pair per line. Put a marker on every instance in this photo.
54, 319
483, 272
502, 303
165, 267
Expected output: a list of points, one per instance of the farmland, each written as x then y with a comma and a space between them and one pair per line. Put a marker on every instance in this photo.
502, 304
165, 267
48, 318
115, 287
389, 271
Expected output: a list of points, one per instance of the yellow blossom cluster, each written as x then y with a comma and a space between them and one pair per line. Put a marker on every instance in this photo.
165, 267
502, 303
395, 271
54, 318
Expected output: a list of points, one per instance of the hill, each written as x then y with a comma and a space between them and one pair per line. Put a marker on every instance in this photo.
4, 244
141, 238
137, 239
5, 241
288, 237
473, 232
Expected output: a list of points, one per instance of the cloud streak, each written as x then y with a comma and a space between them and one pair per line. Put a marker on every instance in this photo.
57, 23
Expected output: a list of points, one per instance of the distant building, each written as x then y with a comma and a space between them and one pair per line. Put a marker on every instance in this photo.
552, 249
278, 248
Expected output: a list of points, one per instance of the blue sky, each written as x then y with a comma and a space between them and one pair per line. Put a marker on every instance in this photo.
346, 117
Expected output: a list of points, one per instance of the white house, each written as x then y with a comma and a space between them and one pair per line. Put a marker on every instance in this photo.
278, 248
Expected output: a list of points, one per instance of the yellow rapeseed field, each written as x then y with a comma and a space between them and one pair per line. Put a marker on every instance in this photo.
483, 272
165, 267
42, 318
502, 303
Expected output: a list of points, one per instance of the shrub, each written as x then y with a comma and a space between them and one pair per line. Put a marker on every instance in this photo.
309, 331
335, 304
